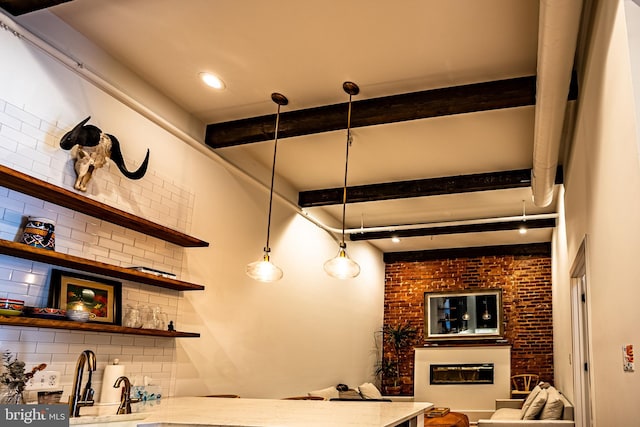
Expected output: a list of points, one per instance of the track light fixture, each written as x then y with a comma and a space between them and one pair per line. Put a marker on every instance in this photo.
264, 270
341, 266
523, 225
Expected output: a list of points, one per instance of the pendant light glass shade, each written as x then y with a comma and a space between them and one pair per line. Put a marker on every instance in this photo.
264, 270
341, 266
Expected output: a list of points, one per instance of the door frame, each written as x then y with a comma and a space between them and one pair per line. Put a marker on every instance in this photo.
581, 338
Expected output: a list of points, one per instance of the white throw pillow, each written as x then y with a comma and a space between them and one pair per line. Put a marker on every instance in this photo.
529, 400
369, 391
553, 408
327, 393
536, 406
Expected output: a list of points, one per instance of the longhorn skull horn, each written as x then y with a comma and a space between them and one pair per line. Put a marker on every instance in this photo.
87, 136
116, 156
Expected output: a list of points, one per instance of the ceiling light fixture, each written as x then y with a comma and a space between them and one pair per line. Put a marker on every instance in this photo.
523, 226
395, 239
264, 270
212, 80
341, 266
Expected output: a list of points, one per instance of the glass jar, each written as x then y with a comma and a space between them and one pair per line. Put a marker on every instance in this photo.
132, 317
148, 321
161, 319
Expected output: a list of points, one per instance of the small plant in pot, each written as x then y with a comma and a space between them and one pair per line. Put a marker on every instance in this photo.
396, 339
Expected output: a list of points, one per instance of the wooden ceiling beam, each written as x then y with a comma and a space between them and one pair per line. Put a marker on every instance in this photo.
20, 7
470, 98
454, 229
531, 249
421, 188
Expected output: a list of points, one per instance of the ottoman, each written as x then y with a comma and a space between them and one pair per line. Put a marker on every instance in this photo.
452, 419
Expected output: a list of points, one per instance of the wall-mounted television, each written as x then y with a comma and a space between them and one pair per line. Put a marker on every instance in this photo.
470, 314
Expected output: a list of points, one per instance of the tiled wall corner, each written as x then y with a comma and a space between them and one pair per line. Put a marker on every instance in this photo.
29, 144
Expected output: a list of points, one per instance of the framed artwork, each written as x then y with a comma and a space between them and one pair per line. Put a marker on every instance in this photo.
102, 297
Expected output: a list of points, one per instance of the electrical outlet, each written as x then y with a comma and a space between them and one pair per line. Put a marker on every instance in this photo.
44, 379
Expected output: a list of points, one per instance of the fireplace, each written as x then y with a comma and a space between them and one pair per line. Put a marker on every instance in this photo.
461, 373
478, 398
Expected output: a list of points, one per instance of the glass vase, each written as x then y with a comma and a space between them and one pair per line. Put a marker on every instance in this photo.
12, 396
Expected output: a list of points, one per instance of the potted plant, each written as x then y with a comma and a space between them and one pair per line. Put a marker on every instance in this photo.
395, 340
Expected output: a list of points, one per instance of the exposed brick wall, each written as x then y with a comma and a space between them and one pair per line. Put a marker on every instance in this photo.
525, 281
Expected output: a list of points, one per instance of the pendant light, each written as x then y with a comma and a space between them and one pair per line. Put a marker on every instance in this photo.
486, 315
341, 266
264, 270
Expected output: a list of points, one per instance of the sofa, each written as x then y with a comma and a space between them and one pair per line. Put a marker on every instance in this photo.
544, 407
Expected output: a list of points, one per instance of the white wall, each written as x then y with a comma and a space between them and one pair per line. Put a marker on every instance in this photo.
561, 283
307, 331
602, 201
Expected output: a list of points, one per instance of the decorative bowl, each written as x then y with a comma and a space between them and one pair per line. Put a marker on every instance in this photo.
78, 315
11, 304
46, 312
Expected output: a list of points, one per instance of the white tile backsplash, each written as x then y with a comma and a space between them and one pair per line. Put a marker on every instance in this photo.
29, 144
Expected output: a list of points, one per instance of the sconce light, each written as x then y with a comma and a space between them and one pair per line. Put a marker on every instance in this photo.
466, 316
264, 270
341, 266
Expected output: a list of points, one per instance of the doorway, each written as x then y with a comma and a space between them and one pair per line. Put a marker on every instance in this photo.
580, 333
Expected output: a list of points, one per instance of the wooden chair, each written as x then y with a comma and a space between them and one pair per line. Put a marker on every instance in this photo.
522, 384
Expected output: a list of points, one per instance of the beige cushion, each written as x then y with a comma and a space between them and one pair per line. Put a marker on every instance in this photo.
369, 391
536, 406
529, 400
506, 414
552, 409
327, 393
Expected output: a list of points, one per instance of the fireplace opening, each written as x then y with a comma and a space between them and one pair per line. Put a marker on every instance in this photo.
462, 373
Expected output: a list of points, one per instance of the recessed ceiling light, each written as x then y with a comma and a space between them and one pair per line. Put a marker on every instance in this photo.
395, 239
212, 80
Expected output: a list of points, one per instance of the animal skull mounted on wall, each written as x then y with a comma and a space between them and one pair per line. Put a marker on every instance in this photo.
90, 148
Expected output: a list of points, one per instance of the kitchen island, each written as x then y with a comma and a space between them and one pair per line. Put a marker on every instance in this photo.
204, 411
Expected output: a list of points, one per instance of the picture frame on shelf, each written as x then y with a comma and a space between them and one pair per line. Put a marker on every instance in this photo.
101, 297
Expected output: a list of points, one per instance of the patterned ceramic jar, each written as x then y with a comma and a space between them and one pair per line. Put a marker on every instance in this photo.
39, 232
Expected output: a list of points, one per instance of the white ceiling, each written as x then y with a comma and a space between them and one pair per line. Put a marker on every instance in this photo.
306, 50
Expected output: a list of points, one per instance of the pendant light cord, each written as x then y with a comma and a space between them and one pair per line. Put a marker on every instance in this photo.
352, 89
273, 174
346, 169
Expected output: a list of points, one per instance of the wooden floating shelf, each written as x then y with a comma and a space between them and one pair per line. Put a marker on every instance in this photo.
35, 187
33, 322
22, 250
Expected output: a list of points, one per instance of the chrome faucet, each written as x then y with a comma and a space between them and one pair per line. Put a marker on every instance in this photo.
125, 395
77, 399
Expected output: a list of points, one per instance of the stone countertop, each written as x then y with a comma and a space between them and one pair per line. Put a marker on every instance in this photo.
99, 414
204, 411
